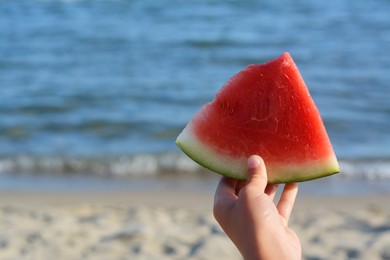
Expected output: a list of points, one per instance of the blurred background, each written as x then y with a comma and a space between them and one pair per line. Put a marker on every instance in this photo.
96, 91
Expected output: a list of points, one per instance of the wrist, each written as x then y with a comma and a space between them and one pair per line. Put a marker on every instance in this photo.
268, 248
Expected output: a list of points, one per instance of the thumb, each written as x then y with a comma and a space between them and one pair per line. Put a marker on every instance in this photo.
257, 173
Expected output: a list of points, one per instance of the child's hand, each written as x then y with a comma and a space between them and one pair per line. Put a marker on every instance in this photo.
248, 215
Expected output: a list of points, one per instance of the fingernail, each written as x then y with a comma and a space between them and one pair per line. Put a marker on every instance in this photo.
253, 162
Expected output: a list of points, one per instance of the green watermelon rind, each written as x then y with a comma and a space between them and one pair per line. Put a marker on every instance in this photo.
235, 168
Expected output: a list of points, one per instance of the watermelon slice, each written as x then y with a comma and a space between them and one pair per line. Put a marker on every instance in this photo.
266, 110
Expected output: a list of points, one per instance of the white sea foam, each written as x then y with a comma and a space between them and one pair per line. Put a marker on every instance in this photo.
145, 165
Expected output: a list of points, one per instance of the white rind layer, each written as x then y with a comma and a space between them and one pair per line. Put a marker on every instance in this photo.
236, 167
202, 154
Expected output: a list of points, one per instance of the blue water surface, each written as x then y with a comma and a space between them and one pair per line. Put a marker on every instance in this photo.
116, 79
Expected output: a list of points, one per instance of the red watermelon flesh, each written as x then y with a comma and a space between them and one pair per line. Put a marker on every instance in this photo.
266, 110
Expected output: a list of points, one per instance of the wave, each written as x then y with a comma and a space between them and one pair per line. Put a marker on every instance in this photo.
146, 165
120, 166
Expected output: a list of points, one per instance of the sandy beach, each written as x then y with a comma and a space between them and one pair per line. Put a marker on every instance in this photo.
175, 224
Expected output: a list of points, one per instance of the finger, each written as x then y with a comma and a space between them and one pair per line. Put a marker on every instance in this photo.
287, 200
224, 198
225, 190
270, 190
257, 173
239, 186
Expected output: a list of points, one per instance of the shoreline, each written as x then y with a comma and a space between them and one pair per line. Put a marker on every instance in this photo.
337, 185
170, 198
125, 198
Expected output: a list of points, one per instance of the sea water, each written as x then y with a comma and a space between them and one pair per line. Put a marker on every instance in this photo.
102, 88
